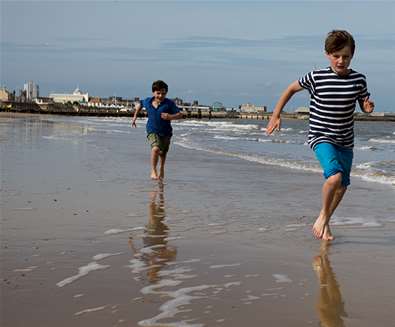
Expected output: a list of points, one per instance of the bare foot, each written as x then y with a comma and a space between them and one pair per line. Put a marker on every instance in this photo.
327, 236
319, 227
154, 175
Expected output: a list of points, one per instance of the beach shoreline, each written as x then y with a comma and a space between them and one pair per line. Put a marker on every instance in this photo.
231, 115
88, 240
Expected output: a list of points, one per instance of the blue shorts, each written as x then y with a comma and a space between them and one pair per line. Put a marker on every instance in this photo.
334, 159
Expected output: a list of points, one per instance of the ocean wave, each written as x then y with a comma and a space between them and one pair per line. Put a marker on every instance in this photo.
216, 125
385, 141
366, 148
293, 164
365, 165
381, 177
222, 137
358, 221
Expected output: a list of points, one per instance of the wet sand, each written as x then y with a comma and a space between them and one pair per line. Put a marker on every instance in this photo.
88, 240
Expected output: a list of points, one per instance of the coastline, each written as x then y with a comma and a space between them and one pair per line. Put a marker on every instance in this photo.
59, 109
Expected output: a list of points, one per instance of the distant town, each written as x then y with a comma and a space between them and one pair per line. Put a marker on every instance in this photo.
30, 93
28, 99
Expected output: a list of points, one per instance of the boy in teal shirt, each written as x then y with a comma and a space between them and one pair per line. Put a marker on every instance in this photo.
161, 111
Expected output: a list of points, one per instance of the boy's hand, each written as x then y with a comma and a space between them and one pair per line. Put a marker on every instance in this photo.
165, 116
273, 124
137, 105
368, 105
134, 123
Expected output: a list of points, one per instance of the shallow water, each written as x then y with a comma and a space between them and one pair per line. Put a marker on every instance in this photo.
91, 241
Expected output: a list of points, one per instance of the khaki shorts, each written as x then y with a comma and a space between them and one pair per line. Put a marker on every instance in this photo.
162, 142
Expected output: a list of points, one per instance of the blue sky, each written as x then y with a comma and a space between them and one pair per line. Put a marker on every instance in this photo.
228, 51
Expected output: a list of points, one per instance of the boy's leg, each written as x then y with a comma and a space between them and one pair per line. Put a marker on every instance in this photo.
162, 165
159, 147
154, 162
330, 200
164, 146
338, 196
336, 164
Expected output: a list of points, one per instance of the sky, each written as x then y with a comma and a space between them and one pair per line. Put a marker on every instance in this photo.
229, 51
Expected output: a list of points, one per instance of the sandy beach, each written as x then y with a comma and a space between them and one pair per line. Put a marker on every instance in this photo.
88, 240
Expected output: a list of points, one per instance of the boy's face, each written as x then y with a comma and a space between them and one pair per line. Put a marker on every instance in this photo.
160, 95
340, 60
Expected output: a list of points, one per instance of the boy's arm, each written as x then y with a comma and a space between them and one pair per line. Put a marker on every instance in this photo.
137, 108
275, 119
175, 113
366, 105
166, 116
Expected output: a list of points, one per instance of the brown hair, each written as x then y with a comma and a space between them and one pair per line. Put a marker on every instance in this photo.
337, 40
159, 85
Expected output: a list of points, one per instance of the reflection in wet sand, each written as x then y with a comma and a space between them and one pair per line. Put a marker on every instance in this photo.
330, 305
155, 252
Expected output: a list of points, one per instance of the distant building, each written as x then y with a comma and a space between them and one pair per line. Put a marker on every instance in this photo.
302, 110
178, 101
251, 108
218, 107
43, 100
194, 107
32, 90
76, 96
4, 94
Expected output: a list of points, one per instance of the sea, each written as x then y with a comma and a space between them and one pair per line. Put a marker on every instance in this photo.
374, 151
374, 144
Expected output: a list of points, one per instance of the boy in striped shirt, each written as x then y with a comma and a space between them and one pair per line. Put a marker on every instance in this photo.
334, 92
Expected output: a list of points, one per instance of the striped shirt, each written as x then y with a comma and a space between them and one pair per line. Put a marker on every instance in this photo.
332, 105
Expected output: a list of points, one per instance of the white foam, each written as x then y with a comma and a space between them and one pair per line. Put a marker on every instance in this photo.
358, 221
264, 140
251, 298
173, 238
269, 294
178, 273
170, 308
151, 249
220, 137
383, 141
290, 164
89, 310
281, 278
216, 125
365, 165
295, 225
181, 262
366, 148
101, 256
151, 289
82, 271
251, 275
137, 265
78, 295
376, 178
118, 231
27, 269
227, 285
225, 266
